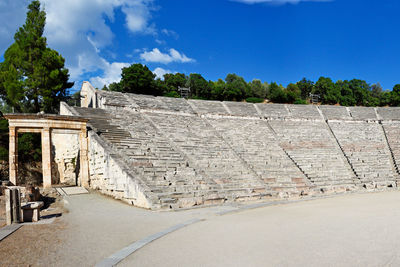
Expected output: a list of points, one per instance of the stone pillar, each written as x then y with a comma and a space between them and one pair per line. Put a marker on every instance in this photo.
46, 157
8, 206
13, 154
13, 205
84, 161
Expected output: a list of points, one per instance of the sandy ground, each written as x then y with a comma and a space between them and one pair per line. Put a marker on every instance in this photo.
350, 230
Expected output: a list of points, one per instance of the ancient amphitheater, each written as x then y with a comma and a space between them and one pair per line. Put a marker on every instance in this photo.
167, 153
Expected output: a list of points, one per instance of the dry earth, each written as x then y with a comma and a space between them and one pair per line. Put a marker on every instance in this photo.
35, 244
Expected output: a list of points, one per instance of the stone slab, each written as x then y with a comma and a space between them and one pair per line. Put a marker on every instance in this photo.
8, 230
69, 191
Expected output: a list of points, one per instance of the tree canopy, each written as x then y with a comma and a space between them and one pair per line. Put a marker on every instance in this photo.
33, 77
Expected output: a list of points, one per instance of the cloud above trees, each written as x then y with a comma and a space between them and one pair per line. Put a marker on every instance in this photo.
156, 56
81, 32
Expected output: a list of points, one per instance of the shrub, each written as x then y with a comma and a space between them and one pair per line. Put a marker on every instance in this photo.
300, 102
254, 100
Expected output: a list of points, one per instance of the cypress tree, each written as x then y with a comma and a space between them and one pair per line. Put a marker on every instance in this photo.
33, 77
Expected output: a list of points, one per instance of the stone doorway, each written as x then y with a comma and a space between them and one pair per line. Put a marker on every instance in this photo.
29, 159
48, 126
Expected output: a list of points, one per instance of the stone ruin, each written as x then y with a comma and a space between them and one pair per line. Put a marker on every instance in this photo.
170, 153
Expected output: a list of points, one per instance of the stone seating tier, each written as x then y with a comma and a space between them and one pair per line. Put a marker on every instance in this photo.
368, 152
335, 112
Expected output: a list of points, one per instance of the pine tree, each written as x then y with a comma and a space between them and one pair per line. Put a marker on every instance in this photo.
33, 77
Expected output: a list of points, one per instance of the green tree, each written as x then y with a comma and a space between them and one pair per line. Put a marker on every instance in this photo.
257, 89
138, 79
277, 94
199, 87
306, 87
293, 93
172, 82
395, 96
217, 89
328, 91
361, 92
236, 88
33, 76
346, 98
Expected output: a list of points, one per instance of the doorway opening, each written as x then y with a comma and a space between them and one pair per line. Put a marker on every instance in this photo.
30, 159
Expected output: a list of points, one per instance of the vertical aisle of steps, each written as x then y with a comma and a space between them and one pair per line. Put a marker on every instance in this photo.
258, 148
171, 182
114, 139
391, 130
310, 145
357, 179
170, 176
367, 150
200, 143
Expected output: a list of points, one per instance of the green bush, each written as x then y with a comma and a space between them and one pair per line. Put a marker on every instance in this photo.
300, 102
254, 100
172, 94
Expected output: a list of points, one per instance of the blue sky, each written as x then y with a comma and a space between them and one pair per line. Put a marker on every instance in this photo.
273, 40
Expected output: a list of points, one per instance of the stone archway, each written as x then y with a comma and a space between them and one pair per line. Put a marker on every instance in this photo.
45, 124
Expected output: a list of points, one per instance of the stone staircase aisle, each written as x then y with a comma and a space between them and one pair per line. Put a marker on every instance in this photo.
255, 143
368, 152
199, 141
311, 145
163, 169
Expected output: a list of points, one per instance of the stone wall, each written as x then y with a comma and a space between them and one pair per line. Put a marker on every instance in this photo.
107, 171
65, 156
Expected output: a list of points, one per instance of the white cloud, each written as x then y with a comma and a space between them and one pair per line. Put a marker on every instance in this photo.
78, 29
112, 73
170, 33
277, 1
156, 56
160, 72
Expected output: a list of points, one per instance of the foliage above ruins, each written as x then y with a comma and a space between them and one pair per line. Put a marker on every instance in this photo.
139, 79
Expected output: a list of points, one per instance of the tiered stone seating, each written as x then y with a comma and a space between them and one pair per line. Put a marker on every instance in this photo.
242, 109
208, 107
180, 157
113, 99
256, 144
304, 112
314, 149
168, 104
392, 113
199, 142
363, 113
176, 104
366, 147
162, 168
273, 110
392, 130
146, 102
335, 112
